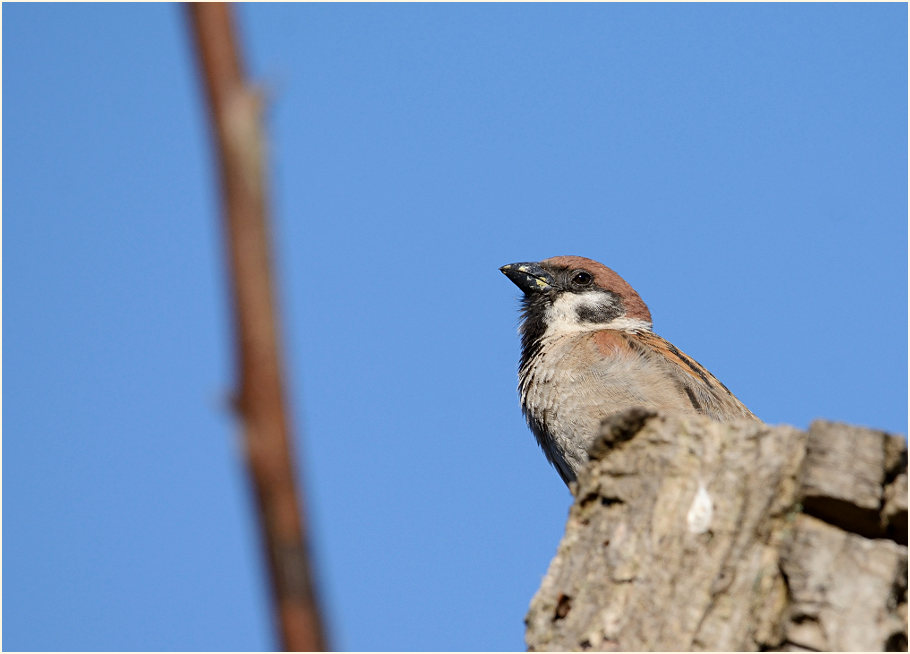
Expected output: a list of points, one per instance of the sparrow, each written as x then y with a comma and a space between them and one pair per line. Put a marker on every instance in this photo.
588, 351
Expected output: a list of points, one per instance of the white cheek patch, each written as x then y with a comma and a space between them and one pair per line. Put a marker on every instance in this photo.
564, 315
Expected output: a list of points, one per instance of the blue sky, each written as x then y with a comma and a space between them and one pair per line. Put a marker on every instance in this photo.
744, 167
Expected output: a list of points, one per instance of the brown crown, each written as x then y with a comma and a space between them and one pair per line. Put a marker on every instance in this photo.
606, 279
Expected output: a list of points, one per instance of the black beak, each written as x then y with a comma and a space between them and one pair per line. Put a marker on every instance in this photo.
529, 276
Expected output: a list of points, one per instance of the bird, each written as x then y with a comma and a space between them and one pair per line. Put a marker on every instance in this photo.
588, 351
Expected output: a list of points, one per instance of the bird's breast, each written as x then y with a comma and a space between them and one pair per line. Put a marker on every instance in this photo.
573, 382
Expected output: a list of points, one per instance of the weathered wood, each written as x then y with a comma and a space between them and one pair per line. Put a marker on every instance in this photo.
687, 534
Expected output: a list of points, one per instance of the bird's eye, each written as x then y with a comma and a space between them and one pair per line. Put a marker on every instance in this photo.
582, 278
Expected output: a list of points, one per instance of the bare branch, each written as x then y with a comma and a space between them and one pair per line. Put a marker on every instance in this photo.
235, 117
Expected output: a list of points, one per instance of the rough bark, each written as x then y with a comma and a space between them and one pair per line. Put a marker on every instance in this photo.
687, 534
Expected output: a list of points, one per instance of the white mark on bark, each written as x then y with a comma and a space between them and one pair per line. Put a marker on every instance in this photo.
701, 511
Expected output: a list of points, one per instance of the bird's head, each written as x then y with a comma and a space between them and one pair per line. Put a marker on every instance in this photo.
575, 294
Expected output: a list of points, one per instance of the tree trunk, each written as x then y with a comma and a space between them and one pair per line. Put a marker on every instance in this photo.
688, 534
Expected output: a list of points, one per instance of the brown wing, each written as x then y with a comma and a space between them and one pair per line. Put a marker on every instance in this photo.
706, 393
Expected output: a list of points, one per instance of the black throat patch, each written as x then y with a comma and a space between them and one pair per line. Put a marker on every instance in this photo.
533, 327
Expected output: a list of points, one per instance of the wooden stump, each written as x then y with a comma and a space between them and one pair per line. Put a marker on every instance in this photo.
688, 534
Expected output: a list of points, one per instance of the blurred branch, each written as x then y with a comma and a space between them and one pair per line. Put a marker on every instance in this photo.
235, 117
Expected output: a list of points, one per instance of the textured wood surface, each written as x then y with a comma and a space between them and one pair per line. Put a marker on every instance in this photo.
687, 534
